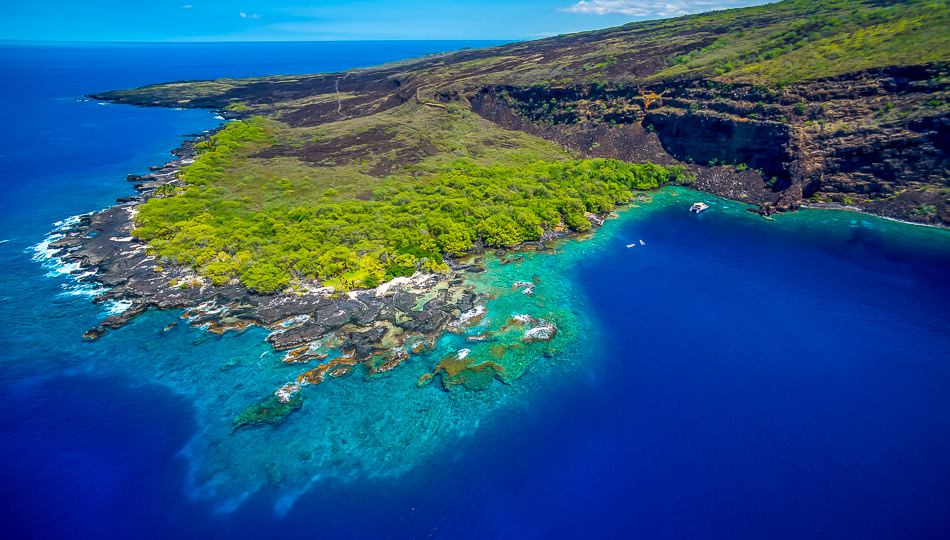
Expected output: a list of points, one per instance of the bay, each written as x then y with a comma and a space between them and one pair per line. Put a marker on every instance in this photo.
731, 377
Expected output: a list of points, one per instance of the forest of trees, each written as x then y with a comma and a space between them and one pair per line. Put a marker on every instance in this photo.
407, 226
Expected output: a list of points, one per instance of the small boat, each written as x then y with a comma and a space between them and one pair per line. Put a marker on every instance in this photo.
698, 207
631, 245
642, 243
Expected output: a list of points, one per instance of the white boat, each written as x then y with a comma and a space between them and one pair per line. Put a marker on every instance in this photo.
698, 207
631, 245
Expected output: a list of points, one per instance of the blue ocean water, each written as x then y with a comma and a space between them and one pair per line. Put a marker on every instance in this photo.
732, 377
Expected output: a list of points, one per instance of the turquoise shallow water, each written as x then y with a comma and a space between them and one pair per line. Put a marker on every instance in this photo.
731, 377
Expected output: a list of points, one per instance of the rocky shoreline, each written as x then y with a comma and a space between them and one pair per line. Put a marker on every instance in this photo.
102, 242
378, 328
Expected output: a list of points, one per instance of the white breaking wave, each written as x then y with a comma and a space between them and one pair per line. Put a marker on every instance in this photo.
117, 307
55, 267
471, 314
82, 289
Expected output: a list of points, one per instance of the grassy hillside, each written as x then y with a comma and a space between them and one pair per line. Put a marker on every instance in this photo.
772, 45
787, 42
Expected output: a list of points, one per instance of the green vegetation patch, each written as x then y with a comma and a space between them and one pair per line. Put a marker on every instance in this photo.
407, 225
795, 40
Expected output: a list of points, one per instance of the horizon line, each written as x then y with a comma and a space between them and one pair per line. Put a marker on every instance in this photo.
172, 42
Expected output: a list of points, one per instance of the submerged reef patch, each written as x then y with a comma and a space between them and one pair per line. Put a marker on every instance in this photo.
271, 410
460, 368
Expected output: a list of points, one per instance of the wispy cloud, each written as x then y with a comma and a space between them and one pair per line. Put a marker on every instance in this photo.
649, 8
252, 16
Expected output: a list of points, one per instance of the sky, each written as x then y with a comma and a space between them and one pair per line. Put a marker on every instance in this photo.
275, 20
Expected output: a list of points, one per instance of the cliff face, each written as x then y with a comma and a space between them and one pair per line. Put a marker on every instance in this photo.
876, 139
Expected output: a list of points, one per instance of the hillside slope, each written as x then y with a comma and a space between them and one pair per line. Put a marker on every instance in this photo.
845, 103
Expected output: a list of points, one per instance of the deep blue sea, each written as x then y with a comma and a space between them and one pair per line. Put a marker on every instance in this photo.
730, 378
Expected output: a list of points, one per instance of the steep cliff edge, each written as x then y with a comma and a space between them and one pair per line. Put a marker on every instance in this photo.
876, 139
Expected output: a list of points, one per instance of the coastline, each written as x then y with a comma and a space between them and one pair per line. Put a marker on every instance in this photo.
379, 328
858, 210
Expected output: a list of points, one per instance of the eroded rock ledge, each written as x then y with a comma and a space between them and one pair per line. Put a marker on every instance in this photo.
875, 140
